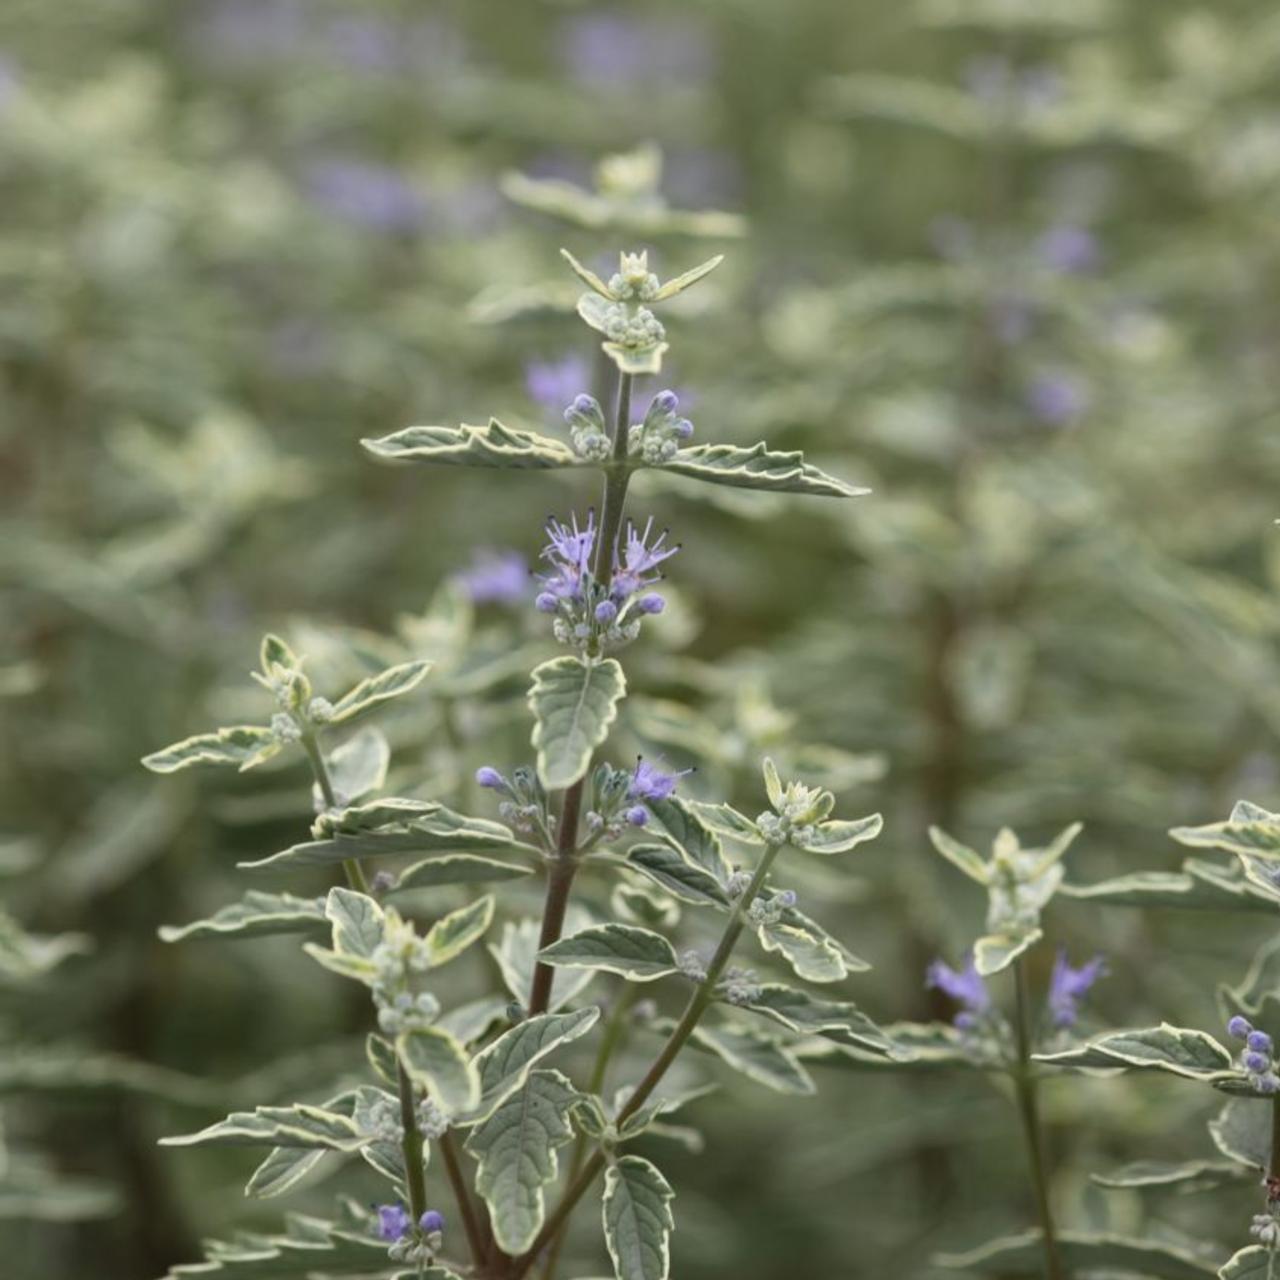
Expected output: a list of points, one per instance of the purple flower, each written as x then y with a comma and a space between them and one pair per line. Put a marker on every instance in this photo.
634, 568
1068, 986
487, 776
1068, 249
964, 986
611, 50
394, 1222
1256, 1063
568, 551
606, 611
432, 1221
1259, 1042
637, 815
1058, 398
496, 577
1239, 1028
371, 196
553, 383
247, 32
651, 603
1012, 319
648, 782
366, 43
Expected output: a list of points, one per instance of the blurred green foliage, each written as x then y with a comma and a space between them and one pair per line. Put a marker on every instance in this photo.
1011, 264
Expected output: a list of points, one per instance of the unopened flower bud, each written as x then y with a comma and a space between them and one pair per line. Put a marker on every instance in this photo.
487, 776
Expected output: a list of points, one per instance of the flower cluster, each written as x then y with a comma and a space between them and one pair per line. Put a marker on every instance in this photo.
596, 616
1068, 986
524, 805
399, 955
966, 987
662, 432
409, 1244
766, 909
282, 676
1258, 1056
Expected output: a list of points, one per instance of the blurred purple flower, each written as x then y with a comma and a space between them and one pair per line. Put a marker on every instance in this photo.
1068, 986
1068, 249
496, 577
247, 32
696, 176
554, 383
363, 42
965, 986
951, 237
1058, 397
368, 195
614, 49
648, 782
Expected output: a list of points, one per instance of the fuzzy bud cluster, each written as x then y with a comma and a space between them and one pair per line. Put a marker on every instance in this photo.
633, 279
1266, 1230
1257, 1058
769, 909
433, 1124
740, 986
400, 955
636, 330
692, 965
588, 430
658, 438
524, 802
383, 1120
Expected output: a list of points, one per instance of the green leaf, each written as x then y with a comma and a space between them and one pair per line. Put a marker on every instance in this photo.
839, 836
673, 872
681, 282
297, 1126
637, 1219
505, 1064
638, 954
805, 1014
1253, 1262
381, 1056
457, 868
1159, 1173
386, 685
1178, 1050
282, 1170
438, 1063
254, 915
1249, 830
517, 957
358, 766
758, 1057
516, 1149
436, 830
1191, 889
471, 1020
960, 855
573, 705
586, 275
1242, 1131
453, 934
693, 836
345, 966
635, 360
358, 922
812, 953
757, 467
489, 446
1023, 1254
244, 745
725, 821
997, 951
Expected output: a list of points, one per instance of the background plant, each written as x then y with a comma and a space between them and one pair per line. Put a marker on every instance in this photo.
239, 237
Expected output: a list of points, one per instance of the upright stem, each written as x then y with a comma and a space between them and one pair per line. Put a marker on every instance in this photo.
1273, 1167
563, 863
1025, 1085
457, 1181
351, 866
411, 1145
609, 1042
701, 998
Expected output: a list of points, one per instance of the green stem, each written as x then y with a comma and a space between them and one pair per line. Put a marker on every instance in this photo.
609, 1042
350, 866
699, 1001
411, 1145
1025, 1086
